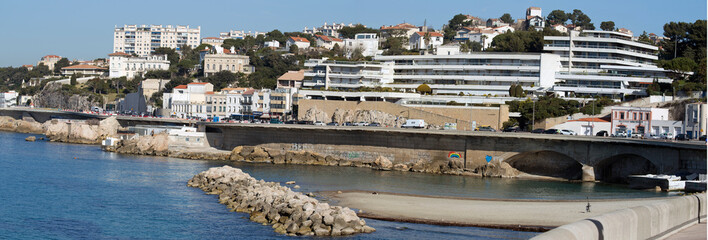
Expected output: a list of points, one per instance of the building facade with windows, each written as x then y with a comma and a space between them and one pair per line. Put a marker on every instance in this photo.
49, 61
605, 63
368, 43
126, 65
234, 63
696, 120
144, 39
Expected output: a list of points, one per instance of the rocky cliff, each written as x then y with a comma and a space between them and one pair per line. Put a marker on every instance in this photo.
86, 132
56, 96
21, 126
289, 212
341, 116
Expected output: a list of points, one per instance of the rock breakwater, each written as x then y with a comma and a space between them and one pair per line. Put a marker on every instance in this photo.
85, 132
21, 126
289, 212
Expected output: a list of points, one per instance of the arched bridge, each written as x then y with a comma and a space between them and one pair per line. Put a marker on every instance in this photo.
608, 159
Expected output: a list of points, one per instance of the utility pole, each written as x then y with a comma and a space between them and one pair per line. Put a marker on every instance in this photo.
533, 115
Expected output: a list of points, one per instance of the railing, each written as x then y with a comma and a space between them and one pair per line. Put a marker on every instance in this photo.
470, 64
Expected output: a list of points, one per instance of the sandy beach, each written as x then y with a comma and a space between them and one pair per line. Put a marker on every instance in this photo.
536, 215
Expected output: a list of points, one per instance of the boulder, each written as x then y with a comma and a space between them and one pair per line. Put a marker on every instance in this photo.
382, 163
31, 139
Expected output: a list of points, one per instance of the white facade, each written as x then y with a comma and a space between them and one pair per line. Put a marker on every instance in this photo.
534, 18
367, 42
214, 41
327, 42
236, 34
604, 63
189, 101
234, 63
144, 39
585, 126
346, 75
696, 120
331, 30
272, 44
419, 40
49, 61
8, 99
301, 43
125, 65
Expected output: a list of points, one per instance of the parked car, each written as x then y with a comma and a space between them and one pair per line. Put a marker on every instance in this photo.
290, 122
667, 136
305, 122
348, 124
414, 123
486, 129
332, 124
602, 133
551, 131
702, 138
654, 136
538, 130
319, 123
567, 132
512, 129
681, 137
361, 124
374, 124
275, 121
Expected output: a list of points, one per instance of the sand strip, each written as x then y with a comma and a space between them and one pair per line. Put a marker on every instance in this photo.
526, 215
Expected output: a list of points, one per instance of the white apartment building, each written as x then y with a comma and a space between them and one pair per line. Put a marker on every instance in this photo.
188, 101
342, 75
367, 42
696, 120
262, 102
400, 30
144, 39
271, 44
49, 61
125, 65
234, 63
81, 69
331, 30
8, 99
235, 34
476, 73
484, 36
425, 40
213, 41
604, 63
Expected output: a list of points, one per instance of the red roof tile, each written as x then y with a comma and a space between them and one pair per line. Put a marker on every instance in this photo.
83, 66
432, 34
119, 54
399, 26
51, 56
181, 87
328, 38
299, 39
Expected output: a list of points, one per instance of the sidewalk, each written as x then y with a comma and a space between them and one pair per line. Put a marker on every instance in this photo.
694, 232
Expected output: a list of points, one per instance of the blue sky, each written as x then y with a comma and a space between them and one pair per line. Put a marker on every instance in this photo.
83, 30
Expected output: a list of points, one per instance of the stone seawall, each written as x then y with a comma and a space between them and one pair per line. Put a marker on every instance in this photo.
289, 212
651, 221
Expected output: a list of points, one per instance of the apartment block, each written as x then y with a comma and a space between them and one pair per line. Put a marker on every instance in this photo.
144, 39
605, 63
126, 65
696, 120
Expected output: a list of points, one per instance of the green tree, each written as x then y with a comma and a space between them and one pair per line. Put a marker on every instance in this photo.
350, 32
222, 79
519, 90
557, 17
579, 19
607, 26
680, 64
394, 45
506, 18
63, 62
293, 49
72, 81
424, 89
512, 90
521, 41
172, 54
159, 74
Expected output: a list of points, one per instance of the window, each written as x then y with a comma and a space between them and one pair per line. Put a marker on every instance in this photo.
621, 115
634, 117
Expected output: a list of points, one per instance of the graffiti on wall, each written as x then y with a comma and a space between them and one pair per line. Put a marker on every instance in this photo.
454, 155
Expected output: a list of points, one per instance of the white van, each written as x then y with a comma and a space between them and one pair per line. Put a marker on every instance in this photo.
414, 123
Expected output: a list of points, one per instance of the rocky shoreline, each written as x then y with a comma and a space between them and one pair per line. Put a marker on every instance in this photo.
69, 131
289, 212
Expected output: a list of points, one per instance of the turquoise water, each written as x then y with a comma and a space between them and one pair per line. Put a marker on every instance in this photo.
47, 194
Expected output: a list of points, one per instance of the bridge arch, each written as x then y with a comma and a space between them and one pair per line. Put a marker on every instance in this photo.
547, 163
615, 169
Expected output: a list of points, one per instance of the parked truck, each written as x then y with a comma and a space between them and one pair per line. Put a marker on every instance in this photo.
414, 123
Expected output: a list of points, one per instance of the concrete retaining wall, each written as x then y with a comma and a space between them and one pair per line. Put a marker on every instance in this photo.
651, 221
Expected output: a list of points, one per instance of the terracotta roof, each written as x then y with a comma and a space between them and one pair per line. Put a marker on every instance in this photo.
230, 89
328, 38
299, 39
399, 26
51, 56
209, 93
28, 66
249, 92
591, 120
83, 66
227, 50
535, 8
197, 83
215, 38
432, 34
293, 75
181, 87
119, 54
